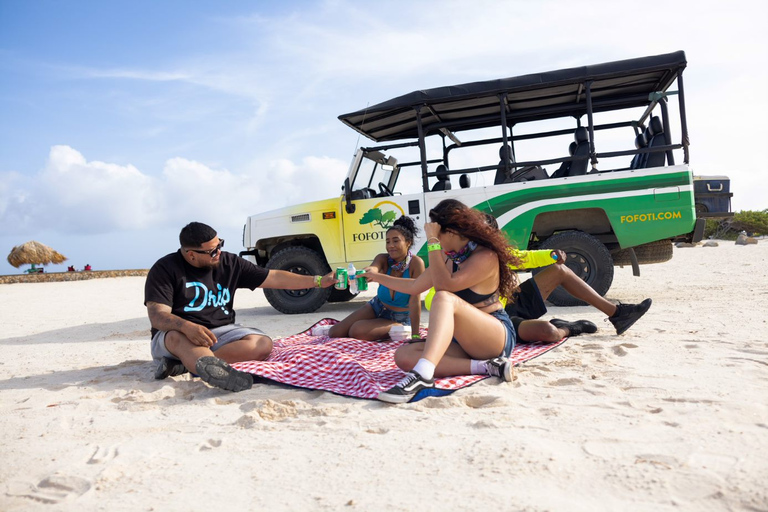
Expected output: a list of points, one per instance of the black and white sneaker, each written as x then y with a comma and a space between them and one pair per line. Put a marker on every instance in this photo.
406, 389
168, 367
501, 367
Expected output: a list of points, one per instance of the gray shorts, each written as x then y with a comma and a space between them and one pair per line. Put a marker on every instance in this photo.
224, 335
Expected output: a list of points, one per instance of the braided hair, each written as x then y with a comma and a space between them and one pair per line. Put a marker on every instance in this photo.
406, 227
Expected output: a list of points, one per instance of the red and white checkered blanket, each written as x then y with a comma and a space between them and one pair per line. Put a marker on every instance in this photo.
353, 367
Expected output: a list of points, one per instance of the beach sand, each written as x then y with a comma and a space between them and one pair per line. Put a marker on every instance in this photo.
672, 415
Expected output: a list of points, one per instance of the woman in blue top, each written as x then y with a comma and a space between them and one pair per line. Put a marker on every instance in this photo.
373, 321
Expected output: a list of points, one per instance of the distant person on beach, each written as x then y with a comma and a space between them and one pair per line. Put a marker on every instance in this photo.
190, 295
469, 331
388, 308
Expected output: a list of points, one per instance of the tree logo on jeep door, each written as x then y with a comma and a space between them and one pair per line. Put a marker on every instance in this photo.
376, 217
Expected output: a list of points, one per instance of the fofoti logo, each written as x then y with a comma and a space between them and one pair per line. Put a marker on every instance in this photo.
645, 217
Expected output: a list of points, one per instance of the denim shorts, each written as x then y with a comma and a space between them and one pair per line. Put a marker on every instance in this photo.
503, 317
509, 344
381, 311
224, 335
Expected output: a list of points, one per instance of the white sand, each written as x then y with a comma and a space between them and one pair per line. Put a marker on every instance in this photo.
670, 416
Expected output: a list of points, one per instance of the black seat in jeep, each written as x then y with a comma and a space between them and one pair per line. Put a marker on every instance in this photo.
443, 179
656, 129
563, 169
505, 154
638, 161
580, 153
578, 148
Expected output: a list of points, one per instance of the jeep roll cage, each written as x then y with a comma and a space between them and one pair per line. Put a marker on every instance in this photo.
573, 92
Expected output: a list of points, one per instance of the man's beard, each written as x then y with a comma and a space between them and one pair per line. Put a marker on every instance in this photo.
212, 264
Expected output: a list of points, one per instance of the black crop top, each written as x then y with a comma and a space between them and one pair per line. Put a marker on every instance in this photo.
468, 295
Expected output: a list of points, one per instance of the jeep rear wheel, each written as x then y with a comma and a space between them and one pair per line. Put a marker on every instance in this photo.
587, 257
299, 260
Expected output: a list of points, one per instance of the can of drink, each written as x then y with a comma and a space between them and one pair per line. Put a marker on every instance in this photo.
362, 283
341, 276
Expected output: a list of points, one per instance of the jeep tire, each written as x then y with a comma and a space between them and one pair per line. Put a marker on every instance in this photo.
652, 252
299, 260
587, 257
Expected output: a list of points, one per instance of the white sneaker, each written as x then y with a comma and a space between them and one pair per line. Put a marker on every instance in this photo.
320, 330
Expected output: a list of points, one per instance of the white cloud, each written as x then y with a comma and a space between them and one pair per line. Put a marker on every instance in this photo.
94, 196
74, 195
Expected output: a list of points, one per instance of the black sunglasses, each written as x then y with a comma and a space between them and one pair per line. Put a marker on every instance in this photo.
213, 251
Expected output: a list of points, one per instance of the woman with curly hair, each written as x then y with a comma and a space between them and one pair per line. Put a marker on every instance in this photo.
388, 308
469, 331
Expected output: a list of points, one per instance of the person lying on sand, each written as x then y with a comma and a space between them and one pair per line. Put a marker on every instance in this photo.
190, 296
527, 303
528, 300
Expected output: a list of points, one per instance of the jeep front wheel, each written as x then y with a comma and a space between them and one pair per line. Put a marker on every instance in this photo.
587, 257
299, 260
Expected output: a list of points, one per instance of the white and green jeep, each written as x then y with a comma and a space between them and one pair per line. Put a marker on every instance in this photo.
579, 159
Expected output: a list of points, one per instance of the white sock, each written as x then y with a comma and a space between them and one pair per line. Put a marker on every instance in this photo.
425, 368
478, 367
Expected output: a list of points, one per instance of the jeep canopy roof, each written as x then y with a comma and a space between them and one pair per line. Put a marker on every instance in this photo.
613, 85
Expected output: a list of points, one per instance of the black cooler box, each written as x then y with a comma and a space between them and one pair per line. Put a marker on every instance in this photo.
712, 195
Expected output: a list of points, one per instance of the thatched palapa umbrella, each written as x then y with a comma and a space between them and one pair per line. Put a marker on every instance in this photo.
34, 253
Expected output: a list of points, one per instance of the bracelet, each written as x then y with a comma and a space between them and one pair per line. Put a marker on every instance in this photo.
433, 238
434, 247
416, 336
318, 281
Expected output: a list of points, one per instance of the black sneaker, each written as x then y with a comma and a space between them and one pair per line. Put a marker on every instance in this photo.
217, 372
500, 367
406, 389
574, 328
168, 367
627, 314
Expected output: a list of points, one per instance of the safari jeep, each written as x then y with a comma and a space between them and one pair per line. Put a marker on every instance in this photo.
581, 159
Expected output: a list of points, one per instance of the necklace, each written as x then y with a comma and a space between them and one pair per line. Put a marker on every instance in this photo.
463, 254
401, 266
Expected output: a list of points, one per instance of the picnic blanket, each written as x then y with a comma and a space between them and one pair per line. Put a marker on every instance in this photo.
356, 368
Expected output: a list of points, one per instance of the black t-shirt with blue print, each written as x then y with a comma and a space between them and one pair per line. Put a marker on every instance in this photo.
204, 296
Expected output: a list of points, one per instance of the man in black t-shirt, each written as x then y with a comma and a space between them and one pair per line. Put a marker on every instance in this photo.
190, 296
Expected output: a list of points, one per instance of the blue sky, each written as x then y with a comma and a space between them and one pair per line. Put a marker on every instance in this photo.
121, 121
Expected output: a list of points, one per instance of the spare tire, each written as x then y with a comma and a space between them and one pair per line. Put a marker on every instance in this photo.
299, 260
652, 252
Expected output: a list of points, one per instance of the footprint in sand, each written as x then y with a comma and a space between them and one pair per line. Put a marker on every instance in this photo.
620, 351
565, 382
53, 489
101, 455
210, 445
480, 401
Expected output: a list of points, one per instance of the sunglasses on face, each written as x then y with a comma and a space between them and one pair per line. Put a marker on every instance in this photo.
213, 251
